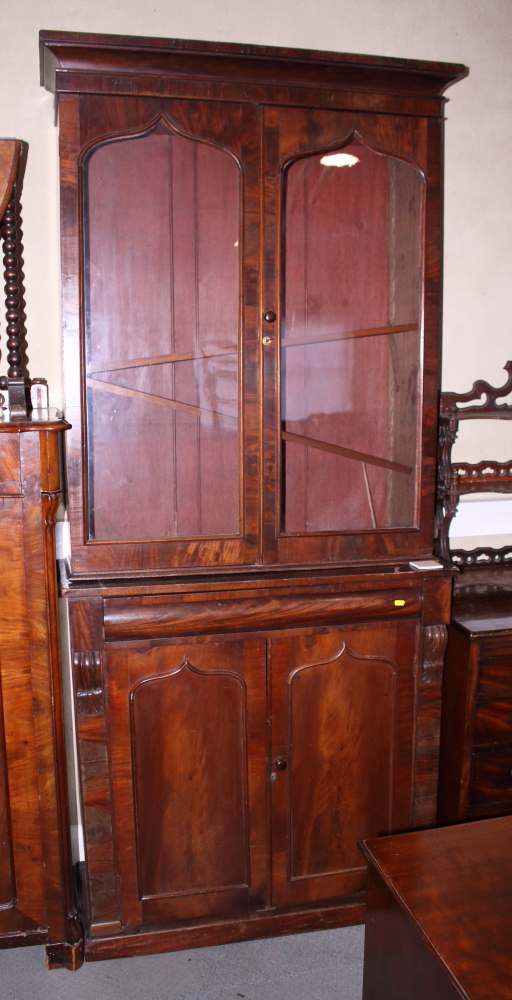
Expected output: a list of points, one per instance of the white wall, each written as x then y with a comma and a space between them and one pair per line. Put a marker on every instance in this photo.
478, 219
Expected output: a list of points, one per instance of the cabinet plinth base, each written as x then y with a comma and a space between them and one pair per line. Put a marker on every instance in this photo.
65, 955
205, 933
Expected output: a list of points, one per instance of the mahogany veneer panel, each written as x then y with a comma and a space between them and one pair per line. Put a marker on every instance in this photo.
36, 898
10, 484
439, 914
198, 799
189, 617
476, 744
339, 702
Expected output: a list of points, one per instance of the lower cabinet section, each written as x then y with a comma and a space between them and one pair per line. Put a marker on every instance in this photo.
227, 778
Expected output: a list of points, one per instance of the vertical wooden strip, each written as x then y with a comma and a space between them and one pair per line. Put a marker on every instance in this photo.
185, 311
270, 298
174, 417
86, 621
7, 888
460, 682
39, 467
195, 243
17, 698
428, 729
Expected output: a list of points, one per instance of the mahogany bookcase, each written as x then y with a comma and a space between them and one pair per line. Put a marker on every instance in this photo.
251, 259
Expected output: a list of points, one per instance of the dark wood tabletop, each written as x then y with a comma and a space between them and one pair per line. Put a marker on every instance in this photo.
454, 885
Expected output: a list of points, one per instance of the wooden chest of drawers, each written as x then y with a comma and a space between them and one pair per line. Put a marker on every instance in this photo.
476, 740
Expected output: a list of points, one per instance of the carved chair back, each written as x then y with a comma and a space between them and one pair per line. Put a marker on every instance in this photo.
457, 478
19, 394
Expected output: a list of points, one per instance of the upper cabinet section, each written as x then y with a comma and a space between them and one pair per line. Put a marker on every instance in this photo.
251, 258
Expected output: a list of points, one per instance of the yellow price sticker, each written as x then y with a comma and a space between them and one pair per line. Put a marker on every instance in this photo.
399, 604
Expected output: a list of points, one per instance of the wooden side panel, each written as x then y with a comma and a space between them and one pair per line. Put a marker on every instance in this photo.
428, 724
454, 889
188, 751
7, 889
36, 898
39, 455
342, 724
457, 724
86, 629
397, 962
27, 906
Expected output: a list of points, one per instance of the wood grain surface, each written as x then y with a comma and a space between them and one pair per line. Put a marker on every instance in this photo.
35, 869
475, 776
257, 668
10, 150
439, 915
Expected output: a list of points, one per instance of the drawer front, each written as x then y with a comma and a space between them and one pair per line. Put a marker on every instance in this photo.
194, 617
496, 645
491, 777
495, 674
493, 722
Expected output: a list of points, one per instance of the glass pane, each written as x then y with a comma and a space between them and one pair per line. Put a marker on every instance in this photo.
162, 331
350, 341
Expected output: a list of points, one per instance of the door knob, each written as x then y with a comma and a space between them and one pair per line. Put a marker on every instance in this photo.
269, 316
280, 764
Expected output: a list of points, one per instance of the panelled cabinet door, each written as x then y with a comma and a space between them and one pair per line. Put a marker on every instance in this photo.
169, 244
342, 738
188, 760
345, 259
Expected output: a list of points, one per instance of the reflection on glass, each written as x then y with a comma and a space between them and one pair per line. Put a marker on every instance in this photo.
350, 341
162, 234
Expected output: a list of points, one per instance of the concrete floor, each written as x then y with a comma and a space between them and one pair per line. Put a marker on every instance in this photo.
324, 965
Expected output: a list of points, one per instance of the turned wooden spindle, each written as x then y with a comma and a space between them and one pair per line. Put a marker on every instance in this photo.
12, 294
16, 385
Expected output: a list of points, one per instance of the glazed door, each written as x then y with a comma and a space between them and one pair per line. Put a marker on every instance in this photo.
168, 224
188, 771
343, 347
342, 753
